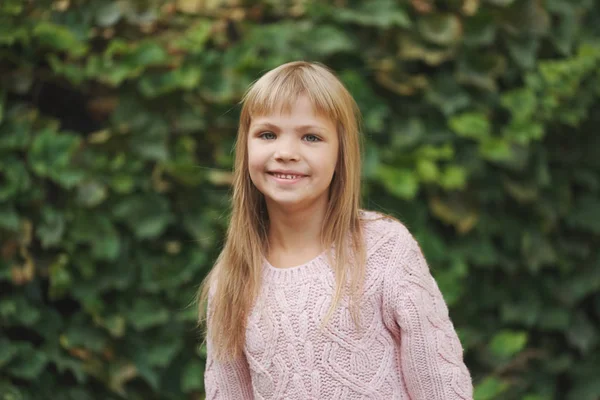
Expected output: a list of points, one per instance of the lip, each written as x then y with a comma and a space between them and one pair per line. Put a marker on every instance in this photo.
286, 181
286, 172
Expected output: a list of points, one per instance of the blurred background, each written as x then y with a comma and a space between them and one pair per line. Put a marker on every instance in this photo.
117, 121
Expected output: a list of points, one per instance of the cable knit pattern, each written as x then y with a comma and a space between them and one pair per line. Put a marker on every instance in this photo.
406, 346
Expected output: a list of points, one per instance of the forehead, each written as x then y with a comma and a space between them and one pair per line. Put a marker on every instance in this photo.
300, 110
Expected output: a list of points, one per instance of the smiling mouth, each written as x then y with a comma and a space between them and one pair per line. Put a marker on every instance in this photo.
286, 176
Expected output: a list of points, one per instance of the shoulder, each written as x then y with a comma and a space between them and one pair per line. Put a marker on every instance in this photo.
388, 240
377, 225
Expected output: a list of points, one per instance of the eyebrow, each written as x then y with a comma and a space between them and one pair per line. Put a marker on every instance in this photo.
301, 128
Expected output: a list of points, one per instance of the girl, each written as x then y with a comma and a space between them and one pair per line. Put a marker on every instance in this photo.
311, 297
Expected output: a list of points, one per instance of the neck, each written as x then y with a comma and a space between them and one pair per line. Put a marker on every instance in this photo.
297, 229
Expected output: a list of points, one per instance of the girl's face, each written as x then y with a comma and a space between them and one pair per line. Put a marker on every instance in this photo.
292, 157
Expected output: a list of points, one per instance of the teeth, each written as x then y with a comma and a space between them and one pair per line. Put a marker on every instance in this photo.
283, 176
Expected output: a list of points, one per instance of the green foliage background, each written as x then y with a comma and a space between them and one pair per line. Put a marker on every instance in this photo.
117, 121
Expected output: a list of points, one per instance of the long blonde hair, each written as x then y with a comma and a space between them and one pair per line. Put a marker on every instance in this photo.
232, 286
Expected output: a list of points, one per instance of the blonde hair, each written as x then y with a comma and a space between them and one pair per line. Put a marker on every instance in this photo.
232, 286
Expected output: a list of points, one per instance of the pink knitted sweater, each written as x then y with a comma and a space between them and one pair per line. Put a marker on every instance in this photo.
406, 349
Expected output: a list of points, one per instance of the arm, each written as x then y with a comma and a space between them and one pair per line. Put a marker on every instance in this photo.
431, 353
226, 379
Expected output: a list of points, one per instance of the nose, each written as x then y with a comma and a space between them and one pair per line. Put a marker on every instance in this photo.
286, 150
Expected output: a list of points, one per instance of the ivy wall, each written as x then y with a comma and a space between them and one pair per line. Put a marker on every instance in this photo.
117, 120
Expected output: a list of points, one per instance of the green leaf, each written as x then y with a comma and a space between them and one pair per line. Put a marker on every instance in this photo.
480, 29
411, 48
15, 134
151, 141
521, 103
2, 104
428, 171
193, 175
471, 125
163, 353
15, 178
66, 364
453, 177
196, 35
146, 314
445, 152
51, 156
490, 388
582, 333
109, 14
60, 277
193, 376
83, 334
147, 54
502, 3
495, 149
526, 311
122, 372
482, 70
407, 133
441, 29
507, 343
524, 133
327, 39
537, 251
122, 183
9, 219
554, 319
449, 281
147, 215
185, 77
565, 29
586, 214
524, 51
523, 192
446, 94
11, 7
98, 232
578, 287
378, 13
20, 310
60, 38
51, 229
585, 386
29, 364
10, 392
7, 352
585, 390
454, 211
156, 274
399, 182
91, 193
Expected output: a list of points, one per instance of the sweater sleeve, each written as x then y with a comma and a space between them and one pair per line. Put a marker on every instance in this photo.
431, 353
226, 379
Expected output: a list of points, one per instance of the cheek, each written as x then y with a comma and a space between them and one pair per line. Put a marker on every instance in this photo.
327, 163
256, 165
255, 159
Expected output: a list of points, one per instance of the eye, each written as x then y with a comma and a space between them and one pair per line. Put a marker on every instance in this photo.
312, 138
267, 135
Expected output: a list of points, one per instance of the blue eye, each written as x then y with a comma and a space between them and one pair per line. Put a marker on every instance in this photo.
312, 138
267, 135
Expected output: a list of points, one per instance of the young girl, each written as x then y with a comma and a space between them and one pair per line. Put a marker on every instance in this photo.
311, 297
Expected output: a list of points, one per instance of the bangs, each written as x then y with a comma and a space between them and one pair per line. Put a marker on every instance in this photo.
278, 90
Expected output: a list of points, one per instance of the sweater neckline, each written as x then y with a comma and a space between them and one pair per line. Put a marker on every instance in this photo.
296, 273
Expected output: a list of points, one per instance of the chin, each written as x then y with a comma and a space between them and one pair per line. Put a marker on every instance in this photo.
286, 202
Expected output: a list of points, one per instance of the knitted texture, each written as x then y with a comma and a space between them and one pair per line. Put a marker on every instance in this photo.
405, 347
